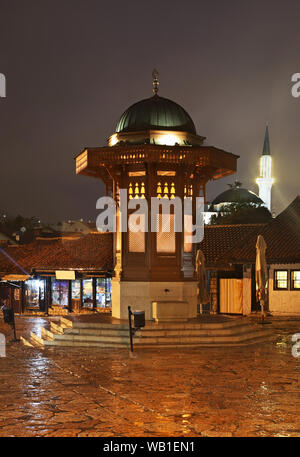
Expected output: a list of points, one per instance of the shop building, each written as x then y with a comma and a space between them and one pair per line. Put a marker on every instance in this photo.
57, 276
230, 252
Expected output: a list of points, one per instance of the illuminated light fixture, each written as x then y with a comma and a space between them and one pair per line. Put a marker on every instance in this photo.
169, 139
113, 140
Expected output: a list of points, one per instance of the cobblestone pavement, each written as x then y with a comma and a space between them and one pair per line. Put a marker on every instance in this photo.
246, 391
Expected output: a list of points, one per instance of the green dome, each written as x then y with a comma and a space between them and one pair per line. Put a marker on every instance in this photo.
237, 195
155, 113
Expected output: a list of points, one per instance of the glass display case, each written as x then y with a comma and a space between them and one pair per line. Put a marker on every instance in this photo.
100, 292
60, 292
87, 293
76, 289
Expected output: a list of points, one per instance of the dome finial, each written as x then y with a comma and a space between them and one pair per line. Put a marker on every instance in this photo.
155, 83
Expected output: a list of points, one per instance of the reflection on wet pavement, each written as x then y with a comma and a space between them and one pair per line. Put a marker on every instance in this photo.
246, 391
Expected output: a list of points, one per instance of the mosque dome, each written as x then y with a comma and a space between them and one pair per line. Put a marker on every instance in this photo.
155, 113
237, 194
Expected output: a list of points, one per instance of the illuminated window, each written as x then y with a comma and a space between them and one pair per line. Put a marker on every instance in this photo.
188, 232
130, 191
165, 237
295, 279
281, 279
136, 173
136, 240
188, 190
165, 189
136, 190
166, 173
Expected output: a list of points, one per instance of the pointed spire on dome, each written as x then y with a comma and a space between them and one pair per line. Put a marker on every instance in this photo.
155, 83
266, 148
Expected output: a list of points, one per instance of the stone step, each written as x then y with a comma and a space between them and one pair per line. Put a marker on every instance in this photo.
92, 331
250, 341
158, 332
55, 328
196, 325
35, 340
98, 325
145, 332
151, 325
26, 342
140, 340
161, 345
47, 334
72, 343
172, 335
201, 339
65, 322
100, 338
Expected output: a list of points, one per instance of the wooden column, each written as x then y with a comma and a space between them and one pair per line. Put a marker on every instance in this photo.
214, 291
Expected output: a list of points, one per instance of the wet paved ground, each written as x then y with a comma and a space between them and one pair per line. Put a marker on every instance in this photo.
247, 391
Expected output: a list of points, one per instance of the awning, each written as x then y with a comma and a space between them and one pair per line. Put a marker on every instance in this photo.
15, 278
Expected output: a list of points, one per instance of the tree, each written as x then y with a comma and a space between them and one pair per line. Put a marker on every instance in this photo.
242, 213
19, 226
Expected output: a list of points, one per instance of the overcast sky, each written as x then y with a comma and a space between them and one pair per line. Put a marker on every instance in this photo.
73, 67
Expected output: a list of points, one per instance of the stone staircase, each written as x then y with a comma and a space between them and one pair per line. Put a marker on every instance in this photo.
233, 332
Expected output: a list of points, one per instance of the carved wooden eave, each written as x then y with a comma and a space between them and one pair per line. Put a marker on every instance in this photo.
107, 163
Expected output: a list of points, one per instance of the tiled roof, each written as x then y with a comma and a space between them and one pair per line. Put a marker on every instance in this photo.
228, 244
220, 239
222, 245
89, 252
282, 236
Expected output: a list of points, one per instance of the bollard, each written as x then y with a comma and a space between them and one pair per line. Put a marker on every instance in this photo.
139, 322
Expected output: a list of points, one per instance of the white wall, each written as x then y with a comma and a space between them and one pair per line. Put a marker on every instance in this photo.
283, 301
247, 290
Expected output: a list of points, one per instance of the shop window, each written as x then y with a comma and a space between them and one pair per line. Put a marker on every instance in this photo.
103, 292
295, 279
87, 293
35, 293
60, 292
108, 292
76, 289
281, 280
100, 292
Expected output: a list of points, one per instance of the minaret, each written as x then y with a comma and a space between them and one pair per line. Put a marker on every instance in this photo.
265, 179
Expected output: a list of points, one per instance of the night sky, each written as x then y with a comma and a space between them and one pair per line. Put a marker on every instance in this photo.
73, 67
